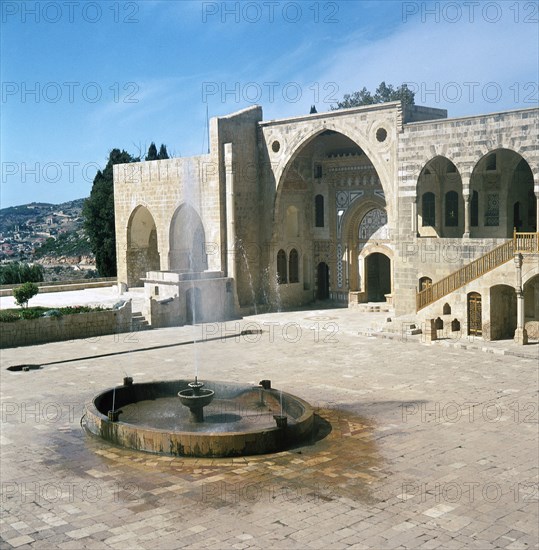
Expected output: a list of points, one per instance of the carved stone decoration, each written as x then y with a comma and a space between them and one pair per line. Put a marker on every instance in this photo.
374, 223
343, 201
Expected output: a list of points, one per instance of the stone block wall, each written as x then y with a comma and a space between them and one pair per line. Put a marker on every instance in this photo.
29, 332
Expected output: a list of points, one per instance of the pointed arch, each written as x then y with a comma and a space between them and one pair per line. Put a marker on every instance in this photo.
187, 241
142, 253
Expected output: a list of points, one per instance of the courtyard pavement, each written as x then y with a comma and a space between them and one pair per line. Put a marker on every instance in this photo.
429, 446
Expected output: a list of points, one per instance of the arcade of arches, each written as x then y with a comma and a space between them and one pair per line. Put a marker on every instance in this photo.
498, 198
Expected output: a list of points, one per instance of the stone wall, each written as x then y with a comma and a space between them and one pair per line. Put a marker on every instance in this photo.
29, 332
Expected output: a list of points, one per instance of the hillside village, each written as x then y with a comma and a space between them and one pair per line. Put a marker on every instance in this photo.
49, 234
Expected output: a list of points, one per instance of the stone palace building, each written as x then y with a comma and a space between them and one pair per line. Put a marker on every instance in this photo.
385, 206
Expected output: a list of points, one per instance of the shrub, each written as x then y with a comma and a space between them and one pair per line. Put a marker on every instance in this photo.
16, 273
31, 313
24, 293
9, 316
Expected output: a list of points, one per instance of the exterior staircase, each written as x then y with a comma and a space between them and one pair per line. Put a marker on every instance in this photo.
523, 243
140, 322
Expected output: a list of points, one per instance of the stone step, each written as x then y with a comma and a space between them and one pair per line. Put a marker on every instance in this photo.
140, 322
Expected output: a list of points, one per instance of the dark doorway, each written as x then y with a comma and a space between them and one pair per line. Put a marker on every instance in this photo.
517, 222
193, 304
378, 277
323, 281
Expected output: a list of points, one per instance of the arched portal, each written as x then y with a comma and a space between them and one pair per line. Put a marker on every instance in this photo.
322, 286
333, 174
187, 241
531, 307
378, 277
142, 246
503, 312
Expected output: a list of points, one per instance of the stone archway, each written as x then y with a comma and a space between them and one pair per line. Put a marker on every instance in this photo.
142, 253
377, 277
440, 203
187, 241
503, 312
328, 186
531, 307
502, 195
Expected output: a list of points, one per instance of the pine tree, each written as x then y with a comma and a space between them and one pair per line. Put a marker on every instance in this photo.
163, 154
152, 152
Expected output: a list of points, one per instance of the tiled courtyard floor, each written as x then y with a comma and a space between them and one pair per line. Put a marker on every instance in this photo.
430, 446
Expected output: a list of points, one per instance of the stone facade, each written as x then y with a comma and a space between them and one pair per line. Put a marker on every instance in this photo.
357, 205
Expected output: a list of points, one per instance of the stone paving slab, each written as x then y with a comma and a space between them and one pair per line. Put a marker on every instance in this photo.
428, 446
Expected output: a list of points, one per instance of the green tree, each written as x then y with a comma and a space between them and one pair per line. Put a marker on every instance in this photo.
24, 293
16, 273
163, 154
98, 212
383, 94
152, 152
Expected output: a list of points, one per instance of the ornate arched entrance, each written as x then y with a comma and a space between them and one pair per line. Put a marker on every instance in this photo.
328, 187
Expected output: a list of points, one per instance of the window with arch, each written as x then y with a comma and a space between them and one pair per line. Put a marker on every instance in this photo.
424, 283
319, 211
293, 266
428, 209
451, 209
281, 267
474, 207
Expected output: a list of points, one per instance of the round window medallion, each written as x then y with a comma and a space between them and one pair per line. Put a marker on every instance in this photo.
381, 134
275, 146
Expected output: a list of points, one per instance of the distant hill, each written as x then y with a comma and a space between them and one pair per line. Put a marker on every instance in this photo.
45, 232
19, 215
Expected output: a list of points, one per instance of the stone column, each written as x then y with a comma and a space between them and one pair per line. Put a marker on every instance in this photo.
537, 208
467, 196
521, 336
467, 214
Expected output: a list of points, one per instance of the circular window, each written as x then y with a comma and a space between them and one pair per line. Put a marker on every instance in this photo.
275, 146
381, 134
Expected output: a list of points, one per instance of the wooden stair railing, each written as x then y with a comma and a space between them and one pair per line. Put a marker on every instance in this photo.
524, 243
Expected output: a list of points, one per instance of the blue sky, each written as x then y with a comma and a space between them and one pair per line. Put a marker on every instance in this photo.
80, 78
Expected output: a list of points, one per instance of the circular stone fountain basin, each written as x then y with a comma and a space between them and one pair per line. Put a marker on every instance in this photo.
239, 421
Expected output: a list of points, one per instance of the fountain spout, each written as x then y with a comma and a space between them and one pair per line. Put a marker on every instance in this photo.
196, 399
